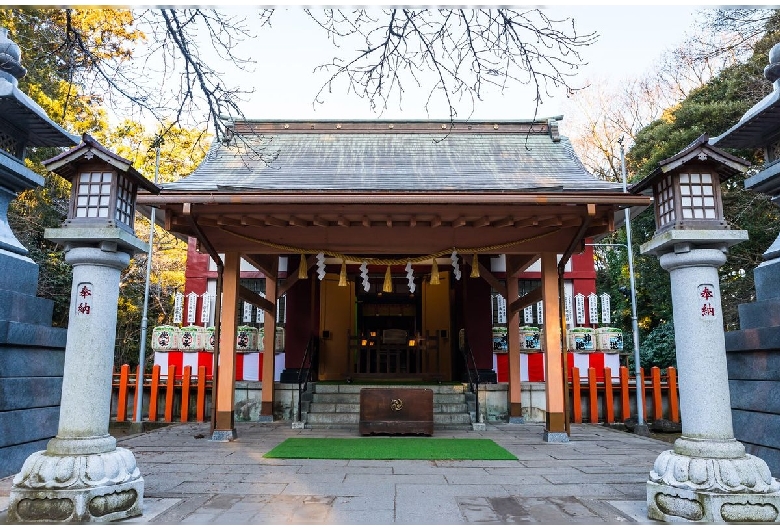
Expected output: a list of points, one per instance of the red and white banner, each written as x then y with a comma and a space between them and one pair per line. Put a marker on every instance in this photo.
249, 366
532, 365
180, 359
596, 360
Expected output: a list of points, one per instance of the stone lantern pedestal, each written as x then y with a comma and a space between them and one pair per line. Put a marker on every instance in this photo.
707, 477
82, 476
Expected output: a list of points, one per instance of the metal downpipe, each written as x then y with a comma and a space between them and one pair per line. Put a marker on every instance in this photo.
217, 315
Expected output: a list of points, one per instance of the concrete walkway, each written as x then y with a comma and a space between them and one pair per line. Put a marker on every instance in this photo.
596, 478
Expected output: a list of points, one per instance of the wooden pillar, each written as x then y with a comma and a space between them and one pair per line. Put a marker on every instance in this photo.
224, 428
513, 336
269, 342
555, 417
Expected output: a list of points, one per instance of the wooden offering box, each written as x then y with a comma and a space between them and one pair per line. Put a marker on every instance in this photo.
396, 411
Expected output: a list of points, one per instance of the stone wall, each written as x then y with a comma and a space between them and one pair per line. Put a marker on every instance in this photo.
32, 355
754, 384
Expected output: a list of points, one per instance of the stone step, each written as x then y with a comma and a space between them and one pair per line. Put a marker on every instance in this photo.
350, 418
333, 418
447, 408
321, 388
334, 407
451, 408
355, 398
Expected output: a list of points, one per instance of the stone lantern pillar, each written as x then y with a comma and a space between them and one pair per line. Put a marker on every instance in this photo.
82, 476
707, 477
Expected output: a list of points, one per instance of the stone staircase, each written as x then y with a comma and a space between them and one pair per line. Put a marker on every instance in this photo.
338, 405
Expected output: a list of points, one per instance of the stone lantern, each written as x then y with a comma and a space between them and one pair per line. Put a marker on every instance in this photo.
707, 477
82, 476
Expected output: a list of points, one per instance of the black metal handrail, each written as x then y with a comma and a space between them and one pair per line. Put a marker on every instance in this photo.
473, 378
305, 373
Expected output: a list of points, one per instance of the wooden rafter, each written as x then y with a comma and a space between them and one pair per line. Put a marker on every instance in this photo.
266, 263
270, 220
517, 263
255, 299
524, 301
249, 220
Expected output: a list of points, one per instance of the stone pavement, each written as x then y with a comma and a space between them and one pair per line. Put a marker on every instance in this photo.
596, 478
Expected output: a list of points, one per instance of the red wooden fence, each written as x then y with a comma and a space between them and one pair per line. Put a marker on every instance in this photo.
596, 401
178, 394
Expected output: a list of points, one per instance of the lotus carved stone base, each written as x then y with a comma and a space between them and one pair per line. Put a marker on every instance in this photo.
685, 488
94, 488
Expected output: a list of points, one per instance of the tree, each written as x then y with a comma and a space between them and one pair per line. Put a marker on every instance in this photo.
180, 154
714, 78
112, 56
466, 50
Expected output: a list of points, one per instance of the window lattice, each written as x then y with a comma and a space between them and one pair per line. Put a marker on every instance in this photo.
665, 193
124, 201
697, 196
94, 195
8, 143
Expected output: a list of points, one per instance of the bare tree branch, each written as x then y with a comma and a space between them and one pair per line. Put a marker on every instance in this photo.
467, 51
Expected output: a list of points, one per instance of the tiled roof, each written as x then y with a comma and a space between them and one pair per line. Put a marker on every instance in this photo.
376, 156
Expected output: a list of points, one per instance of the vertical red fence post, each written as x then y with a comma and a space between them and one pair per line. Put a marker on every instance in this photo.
200, 413
139, 387
576, 402
625, 404
640, 381
609, 396
169, 393
658, 408
185, 393
593, 396
121, 404
153, 393
674, 403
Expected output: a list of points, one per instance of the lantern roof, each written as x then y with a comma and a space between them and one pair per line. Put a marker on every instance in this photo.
18, 112
759, 123
700, 150
66, 164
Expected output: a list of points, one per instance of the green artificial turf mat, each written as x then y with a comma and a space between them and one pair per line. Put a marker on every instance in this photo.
373, 448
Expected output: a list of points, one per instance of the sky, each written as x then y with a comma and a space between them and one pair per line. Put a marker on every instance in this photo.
632, 39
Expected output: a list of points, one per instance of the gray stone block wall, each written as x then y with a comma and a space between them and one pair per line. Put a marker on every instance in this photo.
32, 356
754, 384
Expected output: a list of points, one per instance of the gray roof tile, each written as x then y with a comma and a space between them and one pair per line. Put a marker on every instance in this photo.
338, 161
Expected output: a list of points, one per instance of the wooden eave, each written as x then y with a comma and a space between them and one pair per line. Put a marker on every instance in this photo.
389, 222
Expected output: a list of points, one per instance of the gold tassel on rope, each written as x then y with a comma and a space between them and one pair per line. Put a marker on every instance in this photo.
434, 273
303, 268
343, 275
474, 266
387, 287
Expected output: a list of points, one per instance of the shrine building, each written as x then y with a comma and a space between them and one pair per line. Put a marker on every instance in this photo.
393, 251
